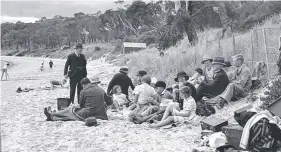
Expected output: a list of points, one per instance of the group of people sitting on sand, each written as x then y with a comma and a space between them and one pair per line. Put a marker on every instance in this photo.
217, 83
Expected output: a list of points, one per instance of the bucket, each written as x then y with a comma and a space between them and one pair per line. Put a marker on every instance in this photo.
63, 103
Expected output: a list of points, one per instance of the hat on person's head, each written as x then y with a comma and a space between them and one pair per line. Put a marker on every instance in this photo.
91, 121
95, 79
182, 73
124, 69
218, 60
78, 45
206, 58
141, 73
238, 56
153, 80
199, 70
85, 81
227, 64
160, 84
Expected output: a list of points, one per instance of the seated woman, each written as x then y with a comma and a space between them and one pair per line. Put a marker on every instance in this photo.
174, 115
92, 103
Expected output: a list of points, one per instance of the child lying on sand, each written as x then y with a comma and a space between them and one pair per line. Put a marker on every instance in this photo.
58, 83
174, 115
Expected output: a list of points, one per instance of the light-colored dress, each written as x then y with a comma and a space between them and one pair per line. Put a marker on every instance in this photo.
120, 99
189, 104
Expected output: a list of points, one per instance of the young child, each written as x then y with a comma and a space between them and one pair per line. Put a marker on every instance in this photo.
197, 77
42, 67
174, 115
5, 71
58, 83
119, 99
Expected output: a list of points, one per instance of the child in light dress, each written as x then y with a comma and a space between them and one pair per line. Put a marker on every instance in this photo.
173, 114
119, 99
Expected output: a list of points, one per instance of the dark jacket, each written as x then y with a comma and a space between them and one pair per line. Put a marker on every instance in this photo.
75, 65
123, 80
93, 101
217, 85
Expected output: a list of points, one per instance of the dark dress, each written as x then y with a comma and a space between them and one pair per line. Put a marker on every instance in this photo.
122, 80
214, 87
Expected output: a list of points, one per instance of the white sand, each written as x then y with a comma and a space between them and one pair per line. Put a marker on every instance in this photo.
24, 127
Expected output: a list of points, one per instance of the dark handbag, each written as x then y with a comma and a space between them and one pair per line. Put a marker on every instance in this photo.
203, 109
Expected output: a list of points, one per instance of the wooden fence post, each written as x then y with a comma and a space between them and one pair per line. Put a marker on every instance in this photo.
252, 48
206, 42
233, 44
265, 47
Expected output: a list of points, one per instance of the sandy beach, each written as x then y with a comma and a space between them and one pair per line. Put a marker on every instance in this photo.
24, 126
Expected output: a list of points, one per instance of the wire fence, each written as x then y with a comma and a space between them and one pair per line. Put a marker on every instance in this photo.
257, 45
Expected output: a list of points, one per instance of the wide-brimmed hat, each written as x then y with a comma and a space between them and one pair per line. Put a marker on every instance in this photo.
95, 79
91, 121
218, 60
227, 64
124, 69
160, 84
141, 73
199, 70
238, 56
78, 45
182, 73
206, 58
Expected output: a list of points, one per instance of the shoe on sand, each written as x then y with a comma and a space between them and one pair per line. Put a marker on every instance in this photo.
48, 115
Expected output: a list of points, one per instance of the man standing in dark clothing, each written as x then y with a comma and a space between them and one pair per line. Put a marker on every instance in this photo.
122, 80
75, 69
218, 84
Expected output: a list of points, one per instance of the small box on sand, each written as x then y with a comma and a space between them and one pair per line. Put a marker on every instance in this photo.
239, 111
214, 124
233, 133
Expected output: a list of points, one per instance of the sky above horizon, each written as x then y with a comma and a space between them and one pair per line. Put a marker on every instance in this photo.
30, 11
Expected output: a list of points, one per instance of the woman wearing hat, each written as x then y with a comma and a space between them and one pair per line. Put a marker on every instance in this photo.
207, 69
218, 84
92, 103
182, 78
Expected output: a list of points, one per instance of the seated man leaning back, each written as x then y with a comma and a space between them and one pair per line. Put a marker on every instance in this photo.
239, 87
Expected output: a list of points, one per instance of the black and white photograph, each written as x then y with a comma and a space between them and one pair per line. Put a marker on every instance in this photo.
140, 76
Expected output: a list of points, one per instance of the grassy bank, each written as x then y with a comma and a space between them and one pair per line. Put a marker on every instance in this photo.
183, 57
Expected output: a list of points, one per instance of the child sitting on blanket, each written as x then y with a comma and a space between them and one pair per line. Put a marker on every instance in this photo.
119, 99
174, 115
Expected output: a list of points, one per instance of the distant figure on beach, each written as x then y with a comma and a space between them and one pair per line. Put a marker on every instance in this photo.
42, 67
5, 71
75, 69
92, 103
51, 65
